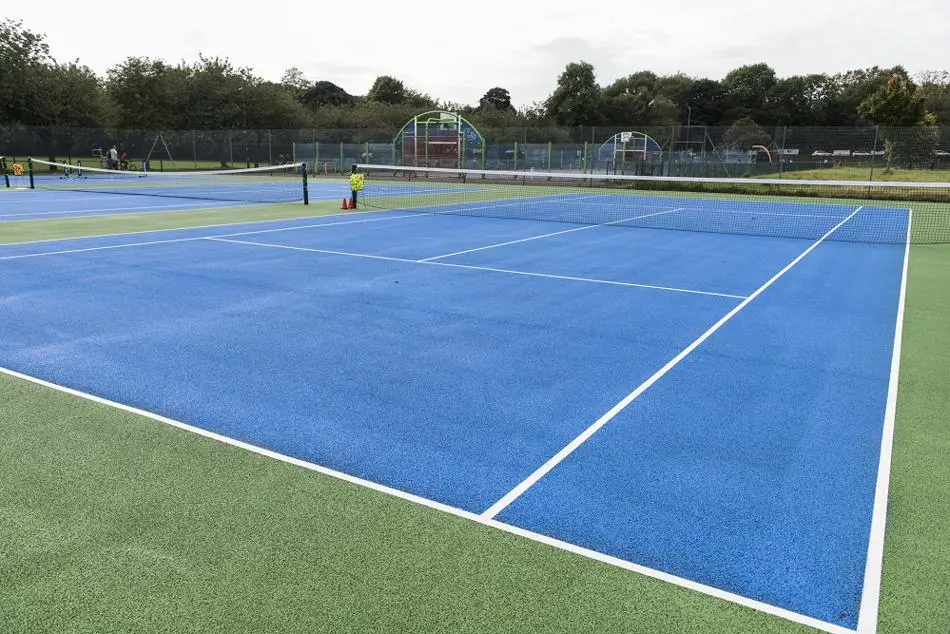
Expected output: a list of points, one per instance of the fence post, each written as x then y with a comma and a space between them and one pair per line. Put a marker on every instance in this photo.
781, 154
873, 151
342, 158
549, 156
584, 159
515, 165
270, 150
194, 149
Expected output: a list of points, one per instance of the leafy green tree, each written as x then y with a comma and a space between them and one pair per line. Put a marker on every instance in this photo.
294, 79
745, 133
497, 98
147, 94
802, 100
23, 54
896, 102
325, 93
676, 89
388, 90
934, 89
577, 99
746, 90
850, 90
706, 101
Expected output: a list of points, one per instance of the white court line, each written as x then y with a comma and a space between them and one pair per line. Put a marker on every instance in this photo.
568, 449
545, 235
318, 225
387, 258
415, 213
451, 510
874, 564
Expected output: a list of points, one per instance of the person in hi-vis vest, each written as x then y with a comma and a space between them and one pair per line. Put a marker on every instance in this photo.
357, 182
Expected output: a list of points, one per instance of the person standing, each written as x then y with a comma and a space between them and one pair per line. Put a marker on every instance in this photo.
357, 183
113, 158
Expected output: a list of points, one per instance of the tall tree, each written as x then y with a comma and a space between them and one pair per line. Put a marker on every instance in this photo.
895, 102
23, 54
745, 133
497, 98
747, 89
147, 94
325, 93
388, 90
577, 98
706, 102
802, 100
934, 89
294, 79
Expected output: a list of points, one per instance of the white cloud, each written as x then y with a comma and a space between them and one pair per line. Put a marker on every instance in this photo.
457, 51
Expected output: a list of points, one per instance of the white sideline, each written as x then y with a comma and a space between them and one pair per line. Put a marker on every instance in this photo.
369, 256
568, 449
451, 510
547, 235
22, 256
874, 564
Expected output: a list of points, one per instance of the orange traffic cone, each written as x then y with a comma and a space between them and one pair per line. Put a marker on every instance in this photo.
346, 204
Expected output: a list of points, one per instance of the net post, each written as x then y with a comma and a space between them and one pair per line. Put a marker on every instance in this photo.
29, 162
306, 187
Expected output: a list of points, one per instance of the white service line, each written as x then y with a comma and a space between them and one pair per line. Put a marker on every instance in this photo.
874, 564
552, 542
368, 256
568, 449
547, 235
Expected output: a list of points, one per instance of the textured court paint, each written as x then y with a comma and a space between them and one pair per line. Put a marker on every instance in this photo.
708, 261
751, 467
444, 382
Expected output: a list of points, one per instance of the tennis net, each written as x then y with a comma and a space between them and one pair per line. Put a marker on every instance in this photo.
275, 184
874, 212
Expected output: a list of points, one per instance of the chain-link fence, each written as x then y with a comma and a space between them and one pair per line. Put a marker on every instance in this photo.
825, 153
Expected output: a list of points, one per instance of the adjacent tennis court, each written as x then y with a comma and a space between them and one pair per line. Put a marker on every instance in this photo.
692, 387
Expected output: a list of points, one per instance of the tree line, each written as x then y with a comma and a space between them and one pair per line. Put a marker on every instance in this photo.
213, 94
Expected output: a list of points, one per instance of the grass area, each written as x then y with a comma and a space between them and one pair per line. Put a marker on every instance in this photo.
110, 522
864, 174
917, 547
79, 226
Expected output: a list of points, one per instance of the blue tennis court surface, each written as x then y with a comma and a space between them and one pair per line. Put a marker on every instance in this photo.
463, 358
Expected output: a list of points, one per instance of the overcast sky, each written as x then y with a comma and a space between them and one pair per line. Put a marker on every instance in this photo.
519, 45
